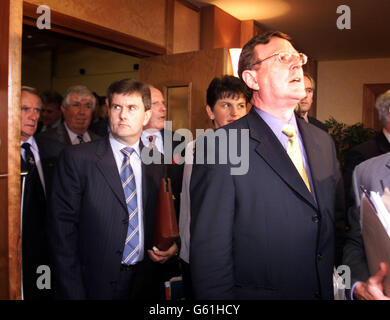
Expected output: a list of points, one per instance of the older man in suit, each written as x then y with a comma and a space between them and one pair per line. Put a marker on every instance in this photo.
373, 175
103, 207
268, 233
38, 157
77, 108
374, 147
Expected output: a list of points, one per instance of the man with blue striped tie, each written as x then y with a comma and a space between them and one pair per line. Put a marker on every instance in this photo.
103, 206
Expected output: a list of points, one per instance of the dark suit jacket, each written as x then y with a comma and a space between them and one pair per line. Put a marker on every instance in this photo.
317, 123
175, 170
367, 150
262, 235
89, 220
61, 135
374, 175
35, 251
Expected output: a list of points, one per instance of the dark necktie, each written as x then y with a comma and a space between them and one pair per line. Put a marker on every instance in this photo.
29, 162
80, 137
152, 142
131, 250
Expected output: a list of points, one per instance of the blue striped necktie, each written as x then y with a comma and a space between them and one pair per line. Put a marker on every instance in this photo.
131, 249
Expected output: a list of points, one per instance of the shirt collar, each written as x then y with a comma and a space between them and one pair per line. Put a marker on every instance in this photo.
276, 124
118, 146
32, 143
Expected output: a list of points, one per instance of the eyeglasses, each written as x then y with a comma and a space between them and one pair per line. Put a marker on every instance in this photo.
286, 58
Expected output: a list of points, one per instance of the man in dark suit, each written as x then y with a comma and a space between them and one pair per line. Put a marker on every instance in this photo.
267, 232
374, 175
51, 115
372, 148
154, 135
77, 109
38, 157
305, 104
103, 207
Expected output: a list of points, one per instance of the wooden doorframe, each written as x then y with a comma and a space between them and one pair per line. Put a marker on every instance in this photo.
13, 14
93, 33
370, 117
10, 78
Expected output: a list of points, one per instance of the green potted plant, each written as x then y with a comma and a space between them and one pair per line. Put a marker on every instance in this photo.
346, 137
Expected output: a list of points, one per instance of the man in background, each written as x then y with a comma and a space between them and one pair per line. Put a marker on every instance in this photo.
77, 109
51, 115
374, 175
372, 148
154, 136
226, 102
38, 158
305, 104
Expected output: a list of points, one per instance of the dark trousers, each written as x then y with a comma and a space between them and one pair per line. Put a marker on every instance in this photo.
187, 282
124, 286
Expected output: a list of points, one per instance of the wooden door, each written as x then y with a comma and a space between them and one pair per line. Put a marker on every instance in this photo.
194, 70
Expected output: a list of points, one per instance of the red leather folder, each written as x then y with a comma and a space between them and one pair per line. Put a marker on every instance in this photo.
165, 225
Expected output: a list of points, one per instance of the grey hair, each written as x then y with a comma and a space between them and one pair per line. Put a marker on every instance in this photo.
79, 90
382, 104
31, 90
313, 83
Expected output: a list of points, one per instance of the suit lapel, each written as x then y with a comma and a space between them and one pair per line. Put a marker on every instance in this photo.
63, 134
385, 180
108, 168
273, 153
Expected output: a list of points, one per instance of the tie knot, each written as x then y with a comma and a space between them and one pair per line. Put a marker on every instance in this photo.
127, 151
80, 137
289, 130
26, 146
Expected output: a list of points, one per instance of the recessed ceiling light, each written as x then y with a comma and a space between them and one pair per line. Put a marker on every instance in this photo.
29, 36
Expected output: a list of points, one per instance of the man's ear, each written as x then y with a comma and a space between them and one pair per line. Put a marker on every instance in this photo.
107, 103
62, 109
148, 114
249, 77
210, 112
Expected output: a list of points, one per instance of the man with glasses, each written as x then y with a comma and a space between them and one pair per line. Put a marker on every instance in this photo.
77, 109
269, 233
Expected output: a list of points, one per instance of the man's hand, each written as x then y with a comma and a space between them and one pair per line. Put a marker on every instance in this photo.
163, 256
372, 289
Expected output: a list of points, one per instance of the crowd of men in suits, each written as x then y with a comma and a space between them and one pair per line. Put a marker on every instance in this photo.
276, 232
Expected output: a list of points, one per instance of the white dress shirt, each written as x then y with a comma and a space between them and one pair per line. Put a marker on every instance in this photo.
158, 142
136, 165
73, 136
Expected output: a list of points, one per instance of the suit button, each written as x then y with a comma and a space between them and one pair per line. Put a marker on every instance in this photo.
112, 283
317, 295
119, 252
319, 256
125, 221
315, 219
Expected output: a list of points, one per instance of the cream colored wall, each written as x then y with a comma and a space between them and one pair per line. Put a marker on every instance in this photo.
340, 87
142, 19
102, 67
186, 29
